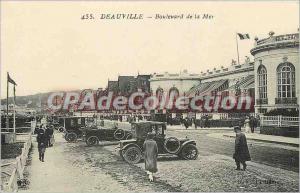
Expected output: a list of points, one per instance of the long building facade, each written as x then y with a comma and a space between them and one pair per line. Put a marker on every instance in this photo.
271, 80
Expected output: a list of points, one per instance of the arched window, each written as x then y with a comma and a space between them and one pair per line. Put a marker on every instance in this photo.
262, 82
174, 91
159, 93
286, 80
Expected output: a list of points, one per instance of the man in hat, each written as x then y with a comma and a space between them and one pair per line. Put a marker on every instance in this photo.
150, 154
241, 154
41, 139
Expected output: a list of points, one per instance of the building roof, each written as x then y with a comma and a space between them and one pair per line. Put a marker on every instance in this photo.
207, 87
245, 83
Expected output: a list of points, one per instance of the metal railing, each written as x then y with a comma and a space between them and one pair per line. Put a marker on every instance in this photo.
279, 121
292, 100
262, 101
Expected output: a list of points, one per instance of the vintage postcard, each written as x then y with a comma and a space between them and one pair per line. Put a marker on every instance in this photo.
149, 96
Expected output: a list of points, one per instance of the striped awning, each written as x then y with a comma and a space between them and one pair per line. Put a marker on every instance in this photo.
207, 87
245, 83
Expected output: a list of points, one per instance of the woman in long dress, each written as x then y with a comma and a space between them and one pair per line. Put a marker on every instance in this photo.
150, 154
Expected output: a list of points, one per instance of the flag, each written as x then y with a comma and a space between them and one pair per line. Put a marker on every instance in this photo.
243, 36
9, 79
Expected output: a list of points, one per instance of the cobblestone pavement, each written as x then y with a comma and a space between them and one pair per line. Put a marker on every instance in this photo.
74, 167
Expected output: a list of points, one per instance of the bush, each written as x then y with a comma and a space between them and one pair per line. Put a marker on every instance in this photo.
283, 112
280, 131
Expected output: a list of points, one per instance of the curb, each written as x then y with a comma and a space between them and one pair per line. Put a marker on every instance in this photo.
268, 141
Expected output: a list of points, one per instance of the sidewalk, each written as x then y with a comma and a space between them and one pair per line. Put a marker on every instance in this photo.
268, 138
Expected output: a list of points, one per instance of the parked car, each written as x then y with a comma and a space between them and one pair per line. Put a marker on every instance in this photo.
131, 150
73, 127
94, 135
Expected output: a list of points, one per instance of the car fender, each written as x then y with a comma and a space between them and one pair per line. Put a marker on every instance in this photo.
131, 144
92, 136
187, 142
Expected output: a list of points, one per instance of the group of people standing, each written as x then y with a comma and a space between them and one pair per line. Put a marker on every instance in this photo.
45, 139
251, 123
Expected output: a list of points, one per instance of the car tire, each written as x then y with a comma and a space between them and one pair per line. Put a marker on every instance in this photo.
92, 140
189, 152
168, 140
132, 155
119, 134
71, 137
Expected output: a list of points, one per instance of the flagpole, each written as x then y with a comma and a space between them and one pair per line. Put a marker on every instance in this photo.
237, 48
14, 108
7, 119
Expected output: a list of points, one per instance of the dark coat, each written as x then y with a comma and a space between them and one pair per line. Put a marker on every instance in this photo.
41, 139
150, 153
241, 148
49, 132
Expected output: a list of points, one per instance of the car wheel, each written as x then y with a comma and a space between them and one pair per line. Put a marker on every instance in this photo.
93, 140
71, 137
172, 145
119, 134
189, 152
132, 155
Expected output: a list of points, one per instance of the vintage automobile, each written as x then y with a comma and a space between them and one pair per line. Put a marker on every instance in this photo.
73, 127
94, 135
131, 150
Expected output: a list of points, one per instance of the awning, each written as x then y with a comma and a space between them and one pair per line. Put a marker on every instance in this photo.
245, 83
207, 87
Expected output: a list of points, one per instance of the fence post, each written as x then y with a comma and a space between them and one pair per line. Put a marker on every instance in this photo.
279, 120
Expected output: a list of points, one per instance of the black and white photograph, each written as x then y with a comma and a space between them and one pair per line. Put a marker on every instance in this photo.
149, 96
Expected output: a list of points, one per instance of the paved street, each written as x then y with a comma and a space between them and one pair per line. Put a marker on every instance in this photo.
78, 168
281, 156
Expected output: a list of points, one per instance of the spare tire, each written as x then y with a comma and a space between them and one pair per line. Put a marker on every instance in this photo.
172, 145
119, 134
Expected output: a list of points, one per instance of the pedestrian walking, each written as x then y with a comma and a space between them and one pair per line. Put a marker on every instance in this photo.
48, 134
246, 125
41, 139
195, 122
150, 154
252, 124
241, 153
186, 123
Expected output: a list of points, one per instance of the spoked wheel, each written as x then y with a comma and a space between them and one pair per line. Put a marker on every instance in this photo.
93, 140
71, 137
132, 155
189, 152
119, 134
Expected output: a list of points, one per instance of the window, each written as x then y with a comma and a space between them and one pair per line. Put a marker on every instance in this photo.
159, 93
286, 80
174, 91
262, 82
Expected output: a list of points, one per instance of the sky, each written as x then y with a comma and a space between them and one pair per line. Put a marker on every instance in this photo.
45, 46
